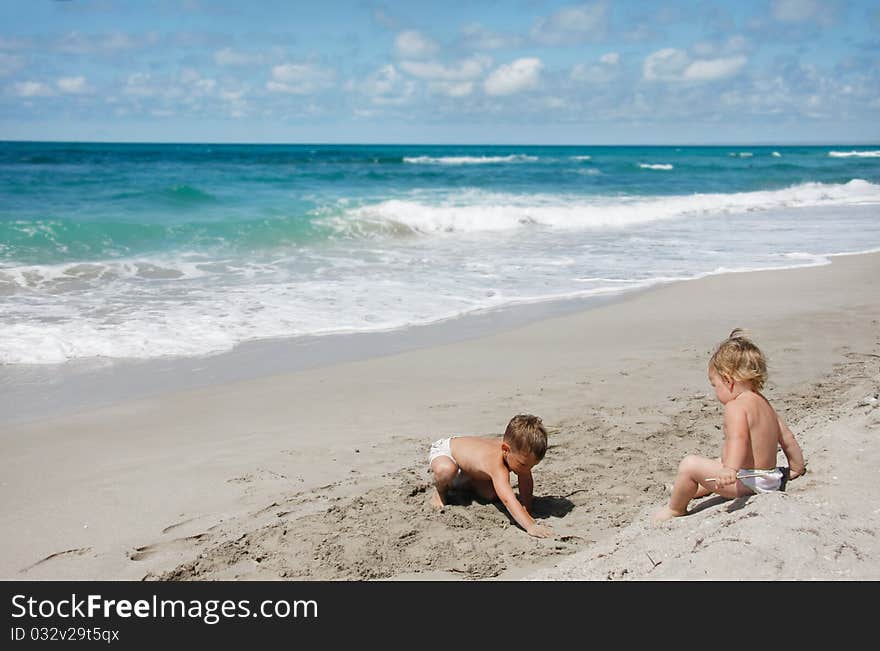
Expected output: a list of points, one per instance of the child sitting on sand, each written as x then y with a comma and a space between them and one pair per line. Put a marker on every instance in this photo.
752, 430
484, 465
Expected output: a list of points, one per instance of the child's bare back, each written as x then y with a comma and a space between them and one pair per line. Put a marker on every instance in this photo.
764, 431
477, 456
484, 465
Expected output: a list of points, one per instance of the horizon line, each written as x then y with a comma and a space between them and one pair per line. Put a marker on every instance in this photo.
448, 144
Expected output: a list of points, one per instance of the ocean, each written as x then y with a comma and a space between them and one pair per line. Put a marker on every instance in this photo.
142, 251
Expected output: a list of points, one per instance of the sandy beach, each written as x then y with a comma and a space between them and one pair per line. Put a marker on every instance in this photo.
320, 473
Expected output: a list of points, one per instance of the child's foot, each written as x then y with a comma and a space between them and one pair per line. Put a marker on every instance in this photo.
666, 514
437, 502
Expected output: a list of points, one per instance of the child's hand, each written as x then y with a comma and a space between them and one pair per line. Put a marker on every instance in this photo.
726, 477
540, 531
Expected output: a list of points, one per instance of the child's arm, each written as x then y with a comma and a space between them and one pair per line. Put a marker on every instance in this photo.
501, 484
526, 485
736, 443
796, 464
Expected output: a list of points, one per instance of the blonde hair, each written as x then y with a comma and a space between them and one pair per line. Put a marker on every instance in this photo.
738, 358
526, 433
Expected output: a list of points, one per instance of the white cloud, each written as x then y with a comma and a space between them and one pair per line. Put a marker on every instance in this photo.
520, 75
188, 86
229, 57
642, 33
464, 70
299, 79
186, 92
598, 73
232, 95
451, 88
671, 64
386, 86
77, 43
799, 11
414, 45
117, 42
572, 25
140, 84
206, 86
477, 37
235, 101
31, 89
555, 103
9, 64
706, 49
72, 85
712, 69
807, 90
666, 64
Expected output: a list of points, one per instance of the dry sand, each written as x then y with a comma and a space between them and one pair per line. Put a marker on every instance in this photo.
823, 526
321, 474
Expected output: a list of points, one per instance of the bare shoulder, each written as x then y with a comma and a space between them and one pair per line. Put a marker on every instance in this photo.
759, 403
751, 402
736, 408
736, 418
476, 454
465, 446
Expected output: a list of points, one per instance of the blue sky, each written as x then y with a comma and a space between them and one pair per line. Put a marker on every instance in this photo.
527, 71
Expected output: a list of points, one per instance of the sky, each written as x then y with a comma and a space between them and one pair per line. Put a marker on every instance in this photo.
445, 72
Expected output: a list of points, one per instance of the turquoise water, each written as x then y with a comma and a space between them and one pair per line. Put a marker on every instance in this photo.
123, 250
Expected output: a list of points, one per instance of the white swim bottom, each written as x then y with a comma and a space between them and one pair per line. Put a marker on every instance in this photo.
441, 448
768, 482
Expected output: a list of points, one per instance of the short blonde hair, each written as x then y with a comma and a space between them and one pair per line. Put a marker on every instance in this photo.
738, 358
526, 433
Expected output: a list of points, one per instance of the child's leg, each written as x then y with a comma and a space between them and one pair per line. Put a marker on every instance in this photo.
702, 491
691, 481
445, 470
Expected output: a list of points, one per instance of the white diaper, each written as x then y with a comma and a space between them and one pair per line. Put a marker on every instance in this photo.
767, 483
441, 448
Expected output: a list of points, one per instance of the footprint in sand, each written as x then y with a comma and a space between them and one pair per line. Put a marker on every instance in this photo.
178, 544
171, 527
67, 552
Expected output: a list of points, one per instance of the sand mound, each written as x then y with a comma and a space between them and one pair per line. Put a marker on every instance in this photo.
824, 526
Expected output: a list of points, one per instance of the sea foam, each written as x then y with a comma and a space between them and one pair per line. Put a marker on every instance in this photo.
854, 154
192, 250
469, 160
473, 211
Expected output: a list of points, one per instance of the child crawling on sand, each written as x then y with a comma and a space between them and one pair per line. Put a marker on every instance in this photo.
484, 466
752, 430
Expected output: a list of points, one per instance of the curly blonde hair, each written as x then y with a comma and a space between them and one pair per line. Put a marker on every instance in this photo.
738, 358
526, 433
